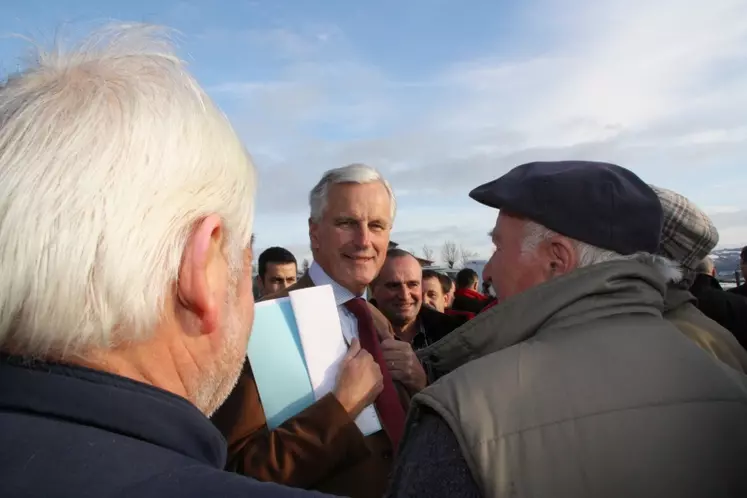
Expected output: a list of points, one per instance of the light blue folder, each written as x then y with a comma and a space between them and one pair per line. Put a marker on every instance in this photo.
277, 361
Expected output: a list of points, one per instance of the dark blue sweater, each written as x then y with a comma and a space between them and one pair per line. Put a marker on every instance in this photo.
73, 432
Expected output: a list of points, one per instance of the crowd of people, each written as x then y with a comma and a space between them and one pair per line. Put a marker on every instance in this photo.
611, 363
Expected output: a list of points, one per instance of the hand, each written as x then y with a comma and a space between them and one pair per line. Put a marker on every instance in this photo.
359, 381
403, 364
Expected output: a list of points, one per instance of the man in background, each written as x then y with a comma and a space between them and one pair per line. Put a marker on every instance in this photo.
729, 310
277, 269
687, 236
436, 290
742, 289
399, 296
466, 296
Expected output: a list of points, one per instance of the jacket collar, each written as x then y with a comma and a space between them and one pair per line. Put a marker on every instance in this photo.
703, 281
598, 291
112, 403
676, 297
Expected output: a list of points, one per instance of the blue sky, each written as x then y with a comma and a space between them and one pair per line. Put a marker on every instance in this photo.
442, 95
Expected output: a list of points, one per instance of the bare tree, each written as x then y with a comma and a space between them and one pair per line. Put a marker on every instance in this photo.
465, 255
427, 253
305, 266
450, 253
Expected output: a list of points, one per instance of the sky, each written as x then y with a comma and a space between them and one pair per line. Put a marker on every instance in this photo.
443, 95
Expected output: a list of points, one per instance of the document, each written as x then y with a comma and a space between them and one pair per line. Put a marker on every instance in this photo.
324, 345
277, 359
296, 349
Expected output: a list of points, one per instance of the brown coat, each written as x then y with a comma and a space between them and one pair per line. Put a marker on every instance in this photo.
321, 448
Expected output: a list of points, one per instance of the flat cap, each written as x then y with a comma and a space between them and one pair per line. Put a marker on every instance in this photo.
688, 234
598, 203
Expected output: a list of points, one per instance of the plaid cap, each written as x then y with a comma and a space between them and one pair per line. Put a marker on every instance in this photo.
688, 234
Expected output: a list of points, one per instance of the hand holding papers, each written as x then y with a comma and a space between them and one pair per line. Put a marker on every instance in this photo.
296, 351
359, 384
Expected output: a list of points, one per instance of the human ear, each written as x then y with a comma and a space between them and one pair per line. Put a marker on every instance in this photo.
203, 274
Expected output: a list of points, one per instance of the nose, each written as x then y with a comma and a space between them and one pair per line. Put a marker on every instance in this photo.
402, 292
362, 238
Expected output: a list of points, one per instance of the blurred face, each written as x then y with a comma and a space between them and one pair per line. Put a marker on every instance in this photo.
398, 290
278, 276
450, 295
510, 270
351, 239
433, 294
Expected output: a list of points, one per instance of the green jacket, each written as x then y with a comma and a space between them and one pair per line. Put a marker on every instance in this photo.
579, 388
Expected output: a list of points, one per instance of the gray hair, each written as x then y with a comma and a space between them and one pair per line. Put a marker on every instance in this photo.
705, 266
589, 255
91, 266
352, 173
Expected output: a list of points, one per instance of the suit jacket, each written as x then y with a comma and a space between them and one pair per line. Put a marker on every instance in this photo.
320, 448
434, 327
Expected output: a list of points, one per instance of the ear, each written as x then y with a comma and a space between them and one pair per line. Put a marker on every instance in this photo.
562, 256
314, 234
203, 274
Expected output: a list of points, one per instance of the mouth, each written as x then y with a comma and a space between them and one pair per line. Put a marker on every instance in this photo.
358, 259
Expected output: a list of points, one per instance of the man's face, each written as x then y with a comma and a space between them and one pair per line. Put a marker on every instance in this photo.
511, 271
450, 295
433, 294
351, 239
278, 276
398, 291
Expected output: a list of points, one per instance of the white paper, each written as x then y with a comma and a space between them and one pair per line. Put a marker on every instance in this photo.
324, 345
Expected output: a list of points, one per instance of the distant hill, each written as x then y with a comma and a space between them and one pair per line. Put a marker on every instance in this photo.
727, 262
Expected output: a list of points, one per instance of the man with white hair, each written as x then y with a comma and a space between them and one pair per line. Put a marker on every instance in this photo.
126, 207
352, 211
574, 385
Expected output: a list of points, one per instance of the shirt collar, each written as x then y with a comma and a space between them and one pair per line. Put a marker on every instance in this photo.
320, 277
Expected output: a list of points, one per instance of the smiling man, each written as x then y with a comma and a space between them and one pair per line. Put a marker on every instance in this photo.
398, 291
436, 290
352, 210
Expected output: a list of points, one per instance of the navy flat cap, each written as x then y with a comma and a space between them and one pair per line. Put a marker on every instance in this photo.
601, 204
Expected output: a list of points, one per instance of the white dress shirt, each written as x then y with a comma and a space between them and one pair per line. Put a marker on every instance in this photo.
348, 321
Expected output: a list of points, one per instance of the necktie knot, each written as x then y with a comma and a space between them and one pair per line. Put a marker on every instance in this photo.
358, 307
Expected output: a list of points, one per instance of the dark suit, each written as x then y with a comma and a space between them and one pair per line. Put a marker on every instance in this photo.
434, 326
320, 448
726, 308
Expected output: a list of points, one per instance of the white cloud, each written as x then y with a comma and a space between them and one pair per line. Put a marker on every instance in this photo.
655, 85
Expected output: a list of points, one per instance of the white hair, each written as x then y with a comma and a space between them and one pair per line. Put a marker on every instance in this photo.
352, 173
589, 255
110, 154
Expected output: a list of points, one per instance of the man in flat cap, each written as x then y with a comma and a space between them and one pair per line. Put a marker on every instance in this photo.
575, 385
696, 303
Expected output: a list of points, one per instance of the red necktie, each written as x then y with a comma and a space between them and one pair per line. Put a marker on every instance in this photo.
388, 405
